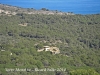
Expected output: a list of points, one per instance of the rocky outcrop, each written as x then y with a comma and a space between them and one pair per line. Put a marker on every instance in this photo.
24, 24
53, 50
13, 10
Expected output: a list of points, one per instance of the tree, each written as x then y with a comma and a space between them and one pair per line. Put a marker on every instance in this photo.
44, 9
83, 72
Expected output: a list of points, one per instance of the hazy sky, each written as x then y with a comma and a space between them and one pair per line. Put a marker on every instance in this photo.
76, 6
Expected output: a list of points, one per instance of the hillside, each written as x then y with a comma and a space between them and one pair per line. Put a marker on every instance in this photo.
76, 36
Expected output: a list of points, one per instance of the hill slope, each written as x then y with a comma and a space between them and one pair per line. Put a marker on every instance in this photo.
76, 36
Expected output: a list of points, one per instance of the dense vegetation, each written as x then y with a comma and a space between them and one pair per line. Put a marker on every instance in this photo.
77, 37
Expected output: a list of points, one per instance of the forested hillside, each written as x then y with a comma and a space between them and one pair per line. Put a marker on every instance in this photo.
76, 36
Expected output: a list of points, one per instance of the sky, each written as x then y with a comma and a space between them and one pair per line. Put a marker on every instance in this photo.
75, 6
